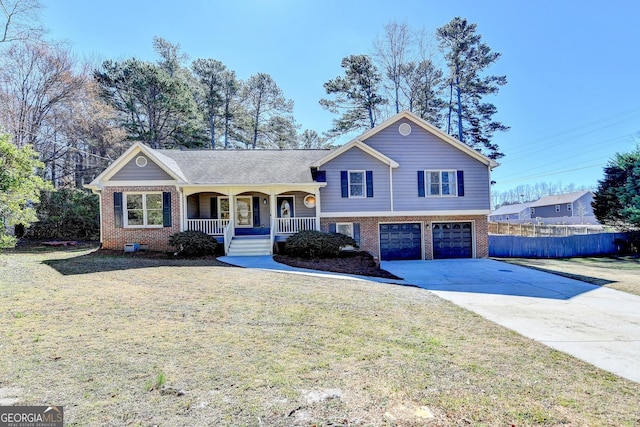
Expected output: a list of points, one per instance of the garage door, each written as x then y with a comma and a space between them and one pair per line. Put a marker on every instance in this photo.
400, 241
452, 240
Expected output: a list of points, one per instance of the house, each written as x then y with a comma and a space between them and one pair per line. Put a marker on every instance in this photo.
519, 211
569, 208
403, 190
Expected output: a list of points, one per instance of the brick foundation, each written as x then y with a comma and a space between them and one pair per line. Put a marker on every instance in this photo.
369, 230
156, 238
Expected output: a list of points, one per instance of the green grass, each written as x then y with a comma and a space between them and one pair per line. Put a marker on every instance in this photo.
101, 334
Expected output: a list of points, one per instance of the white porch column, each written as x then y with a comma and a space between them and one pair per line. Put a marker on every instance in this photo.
317, 196
272, 210
232, 210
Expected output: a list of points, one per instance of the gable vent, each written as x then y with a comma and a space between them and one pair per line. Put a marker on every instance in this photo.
141, 161
404, 129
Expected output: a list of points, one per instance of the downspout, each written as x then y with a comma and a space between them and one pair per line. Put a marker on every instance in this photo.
391, 187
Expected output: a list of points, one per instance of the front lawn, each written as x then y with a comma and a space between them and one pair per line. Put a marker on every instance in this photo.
621, 273
121, 340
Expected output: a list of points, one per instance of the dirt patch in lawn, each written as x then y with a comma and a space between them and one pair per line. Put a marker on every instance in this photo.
620, 273
358, 263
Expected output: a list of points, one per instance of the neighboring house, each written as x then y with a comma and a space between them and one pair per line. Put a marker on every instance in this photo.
403, 190
518, 212
569, 208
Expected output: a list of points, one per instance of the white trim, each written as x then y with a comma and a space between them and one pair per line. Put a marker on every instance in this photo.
350, 224
293, 208
364, 183
474, 242
356, 143
433, 130
145, 218
422, 238
404, 213
126, 157
427, 183
143, 183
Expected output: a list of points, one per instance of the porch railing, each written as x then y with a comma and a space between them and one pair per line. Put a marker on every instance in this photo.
228, 235
212, 227
293, 225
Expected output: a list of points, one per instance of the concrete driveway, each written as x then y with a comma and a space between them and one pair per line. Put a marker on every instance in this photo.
598, 325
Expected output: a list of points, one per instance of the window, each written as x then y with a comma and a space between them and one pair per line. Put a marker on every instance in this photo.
356, 184
557, 208
441, 183
569, 207
223, 208
143, 210
345, 228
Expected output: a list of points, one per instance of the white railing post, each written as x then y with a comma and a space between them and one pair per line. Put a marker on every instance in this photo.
272, 236
228, 235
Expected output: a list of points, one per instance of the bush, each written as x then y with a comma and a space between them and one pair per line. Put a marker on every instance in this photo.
317, 244
66, 214
193, 243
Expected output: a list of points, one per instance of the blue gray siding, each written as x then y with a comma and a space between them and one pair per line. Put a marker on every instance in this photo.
422, 150
133, 172
355, 159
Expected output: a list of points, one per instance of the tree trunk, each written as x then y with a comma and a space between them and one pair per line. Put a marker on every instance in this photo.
459, 104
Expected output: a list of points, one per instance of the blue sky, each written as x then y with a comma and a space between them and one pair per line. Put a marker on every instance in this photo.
572, 100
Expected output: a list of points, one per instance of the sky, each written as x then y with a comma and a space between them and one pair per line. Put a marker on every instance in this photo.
572, 66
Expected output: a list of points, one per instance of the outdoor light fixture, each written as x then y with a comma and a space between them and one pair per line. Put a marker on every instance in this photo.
264, 202
310, 201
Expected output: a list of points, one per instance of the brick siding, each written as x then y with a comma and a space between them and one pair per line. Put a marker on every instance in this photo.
157, 238
369, 230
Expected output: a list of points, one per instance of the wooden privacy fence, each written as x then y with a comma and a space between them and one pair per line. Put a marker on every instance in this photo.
555, 247
535, 230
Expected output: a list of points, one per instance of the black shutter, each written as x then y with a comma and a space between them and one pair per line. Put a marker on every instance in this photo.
369, 175
460, 183
166, 209
214, 207
321, 176
256, 211
344, 183
332, 227
117, 209
356, 232
421, 192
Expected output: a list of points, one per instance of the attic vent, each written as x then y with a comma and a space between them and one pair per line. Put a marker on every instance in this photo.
404, 129
141, 161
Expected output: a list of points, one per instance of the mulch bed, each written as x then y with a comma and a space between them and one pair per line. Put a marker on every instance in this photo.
359, 263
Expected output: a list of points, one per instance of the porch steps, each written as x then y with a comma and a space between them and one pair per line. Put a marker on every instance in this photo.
249, 246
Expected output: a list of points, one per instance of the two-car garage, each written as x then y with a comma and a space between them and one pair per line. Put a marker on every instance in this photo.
403, 241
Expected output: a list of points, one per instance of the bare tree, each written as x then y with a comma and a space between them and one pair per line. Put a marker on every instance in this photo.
38, 85
19, 20
391, 51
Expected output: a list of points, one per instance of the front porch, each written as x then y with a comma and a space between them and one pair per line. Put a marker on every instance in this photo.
249, 223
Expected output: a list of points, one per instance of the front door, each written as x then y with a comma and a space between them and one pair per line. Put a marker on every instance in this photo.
244, 212
284, 207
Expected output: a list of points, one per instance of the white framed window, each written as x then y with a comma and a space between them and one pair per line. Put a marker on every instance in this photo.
345, 228
143, 210
223, 207
357, 184
441, 183
569, 207
557, 208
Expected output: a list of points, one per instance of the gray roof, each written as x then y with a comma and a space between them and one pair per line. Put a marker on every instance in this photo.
244, 166
558, 199
511, 209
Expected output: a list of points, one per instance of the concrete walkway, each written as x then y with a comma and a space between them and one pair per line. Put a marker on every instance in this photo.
598, 325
